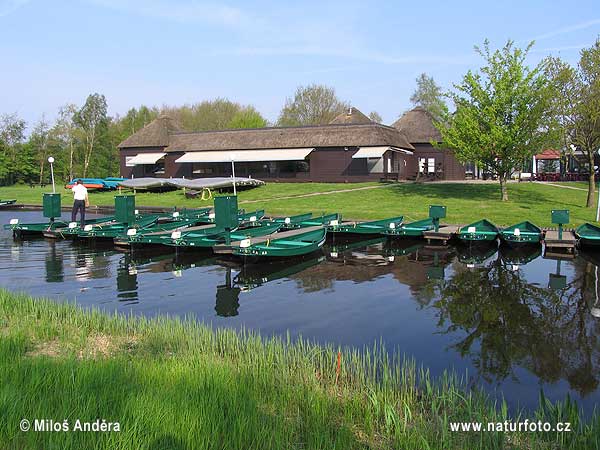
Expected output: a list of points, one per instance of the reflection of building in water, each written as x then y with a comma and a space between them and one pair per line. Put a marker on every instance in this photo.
227, 302
54, 264
127, 282
92, 263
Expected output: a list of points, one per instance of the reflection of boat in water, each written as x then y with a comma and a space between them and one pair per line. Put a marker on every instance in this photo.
254, 275
476, 254
403, 247
348, 244
521, 255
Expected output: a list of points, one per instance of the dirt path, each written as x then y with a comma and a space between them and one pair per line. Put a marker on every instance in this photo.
561, 186
313, 194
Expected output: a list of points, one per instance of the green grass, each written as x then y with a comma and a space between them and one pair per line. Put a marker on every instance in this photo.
180, 385
466, 202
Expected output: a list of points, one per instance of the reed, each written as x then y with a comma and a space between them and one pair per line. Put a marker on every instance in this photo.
179, 384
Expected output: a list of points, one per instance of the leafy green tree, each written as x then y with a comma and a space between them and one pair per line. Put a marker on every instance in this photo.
65, 135
502, 113
577, 106
207, 115
312, 105
92, 119
39, 139
12, 133
247, 118
429, 95
375, 117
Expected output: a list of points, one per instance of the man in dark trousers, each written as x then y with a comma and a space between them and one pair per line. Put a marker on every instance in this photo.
80, 197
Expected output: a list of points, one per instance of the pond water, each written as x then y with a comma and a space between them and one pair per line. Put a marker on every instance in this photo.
516, 322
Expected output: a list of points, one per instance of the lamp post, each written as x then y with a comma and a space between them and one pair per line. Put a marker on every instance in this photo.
233, 173
51, 161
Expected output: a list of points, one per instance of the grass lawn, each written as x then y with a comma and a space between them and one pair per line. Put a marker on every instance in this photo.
181, 385
466, 202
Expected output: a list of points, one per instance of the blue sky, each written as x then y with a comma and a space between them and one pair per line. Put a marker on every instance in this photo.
172, 52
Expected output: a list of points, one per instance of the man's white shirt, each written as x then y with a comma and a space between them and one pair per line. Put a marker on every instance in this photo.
79, 192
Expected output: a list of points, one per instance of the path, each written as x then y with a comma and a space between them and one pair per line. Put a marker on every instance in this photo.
561, 186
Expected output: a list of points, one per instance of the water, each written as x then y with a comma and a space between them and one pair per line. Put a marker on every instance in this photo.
514, 321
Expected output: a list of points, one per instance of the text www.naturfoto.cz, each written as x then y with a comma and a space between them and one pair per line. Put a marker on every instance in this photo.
511, 427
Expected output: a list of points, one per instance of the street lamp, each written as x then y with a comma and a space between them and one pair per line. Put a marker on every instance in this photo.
51, 161
233, 173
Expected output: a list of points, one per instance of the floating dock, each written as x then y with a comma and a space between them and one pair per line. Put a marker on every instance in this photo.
567, 241
443, 234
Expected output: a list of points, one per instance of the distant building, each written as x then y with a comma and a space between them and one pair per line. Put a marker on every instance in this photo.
352, 148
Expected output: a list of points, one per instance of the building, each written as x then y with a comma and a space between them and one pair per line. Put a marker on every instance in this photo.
432, 163
352, 148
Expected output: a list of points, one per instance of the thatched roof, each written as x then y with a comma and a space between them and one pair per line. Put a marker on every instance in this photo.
417, 126
155, 134
351, 116
371, 134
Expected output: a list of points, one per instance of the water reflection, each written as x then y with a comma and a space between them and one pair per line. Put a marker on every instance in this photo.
513, 318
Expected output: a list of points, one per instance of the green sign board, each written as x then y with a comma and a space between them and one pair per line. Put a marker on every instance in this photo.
51, 205
437, 212
226, 212
560, 216
125, 208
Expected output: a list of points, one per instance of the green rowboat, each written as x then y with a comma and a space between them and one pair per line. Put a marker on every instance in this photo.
588, 235
521, 233
412, 229
206, 237
74, 228
316, 221
482, 230
115, 229
22, 230
374, 227
301, 241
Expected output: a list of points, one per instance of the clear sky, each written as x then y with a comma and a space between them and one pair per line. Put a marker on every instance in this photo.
172, 52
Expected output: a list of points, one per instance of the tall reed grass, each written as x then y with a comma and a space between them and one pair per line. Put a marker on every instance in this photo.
178, 384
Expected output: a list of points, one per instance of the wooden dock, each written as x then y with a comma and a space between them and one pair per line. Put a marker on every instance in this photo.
443, 234
224, 249
566, 243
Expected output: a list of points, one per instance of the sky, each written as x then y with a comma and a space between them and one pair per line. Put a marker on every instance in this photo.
157, 52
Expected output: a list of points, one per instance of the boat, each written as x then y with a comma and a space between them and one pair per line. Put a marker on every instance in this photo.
373, 227
325, 219
521, 233
21, 230
411, 229
73, 228
588, 235
301, 241
482, 230
213, 236
114, 229
134, 235
4, 203
110, 183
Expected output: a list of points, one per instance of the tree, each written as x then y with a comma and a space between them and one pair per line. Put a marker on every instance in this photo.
375, 117
311, 105
12, 133
502, 113
65, 131
39, 139
429, 96
247, 118
93, 120
207, 115
577, 106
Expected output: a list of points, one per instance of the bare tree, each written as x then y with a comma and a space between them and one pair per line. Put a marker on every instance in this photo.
311, 105
65, 130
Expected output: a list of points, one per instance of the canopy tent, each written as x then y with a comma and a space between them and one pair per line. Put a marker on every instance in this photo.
376, 152
272, 154
145, 158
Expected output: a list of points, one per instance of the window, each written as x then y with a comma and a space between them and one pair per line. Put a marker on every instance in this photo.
430, 165
127, 163
422, 164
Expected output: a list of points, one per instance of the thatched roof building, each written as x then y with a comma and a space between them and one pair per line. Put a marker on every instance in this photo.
155, 134
417, 125
351, 116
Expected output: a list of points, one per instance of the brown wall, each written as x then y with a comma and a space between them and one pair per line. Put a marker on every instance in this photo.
326, 165
452, 169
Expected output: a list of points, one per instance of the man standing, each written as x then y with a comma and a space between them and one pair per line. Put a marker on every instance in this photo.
80, 197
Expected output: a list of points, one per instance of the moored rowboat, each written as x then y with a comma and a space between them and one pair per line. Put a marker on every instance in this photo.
588, 235
373, 227
412, 229
482, 230
297, 242
522, 233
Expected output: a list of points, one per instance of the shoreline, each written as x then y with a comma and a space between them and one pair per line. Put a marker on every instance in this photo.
165, 375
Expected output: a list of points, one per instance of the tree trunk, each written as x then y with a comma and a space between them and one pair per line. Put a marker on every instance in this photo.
591, 188
503, 189
71, 160
41, 171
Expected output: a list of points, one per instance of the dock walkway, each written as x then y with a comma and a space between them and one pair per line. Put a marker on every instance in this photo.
444, 234
568, 241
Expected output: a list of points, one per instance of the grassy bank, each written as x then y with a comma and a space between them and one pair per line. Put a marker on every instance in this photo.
466, 202
179, 385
